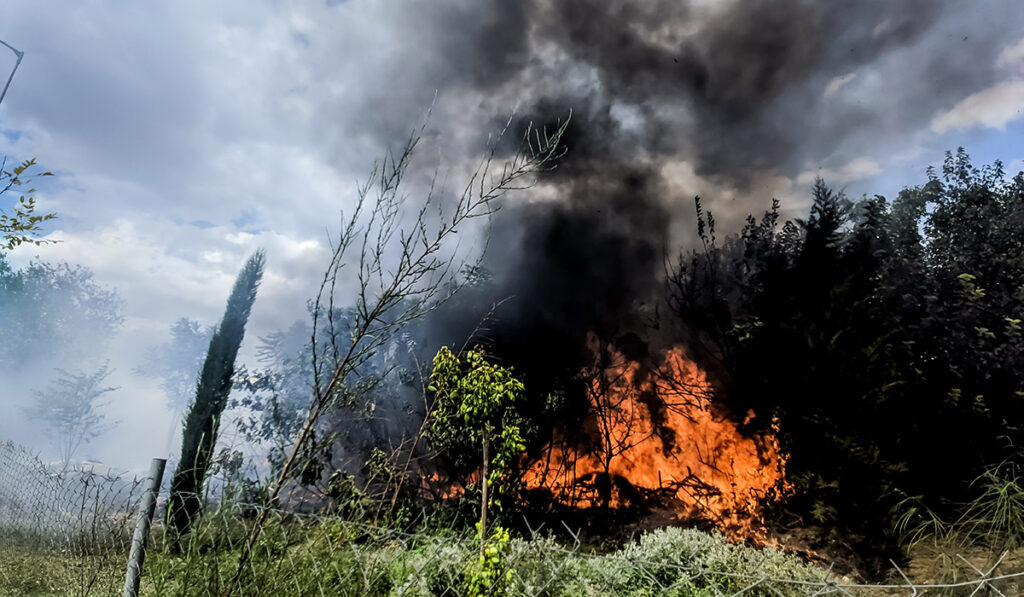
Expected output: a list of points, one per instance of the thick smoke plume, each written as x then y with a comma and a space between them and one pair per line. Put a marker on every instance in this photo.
730, 100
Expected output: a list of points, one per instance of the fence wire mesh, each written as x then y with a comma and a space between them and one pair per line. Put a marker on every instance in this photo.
68, 533
63, 530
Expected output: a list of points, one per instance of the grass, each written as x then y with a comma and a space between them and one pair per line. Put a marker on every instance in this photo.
324, 556
32, 572
321, 556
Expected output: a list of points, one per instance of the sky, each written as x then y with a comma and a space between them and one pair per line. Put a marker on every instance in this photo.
186, 135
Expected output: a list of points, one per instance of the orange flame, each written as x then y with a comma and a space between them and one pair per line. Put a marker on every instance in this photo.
438, 487
653, 434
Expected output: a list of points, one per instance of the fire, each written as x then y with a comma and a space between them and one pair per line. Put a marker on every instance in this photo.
654, 435
433, 484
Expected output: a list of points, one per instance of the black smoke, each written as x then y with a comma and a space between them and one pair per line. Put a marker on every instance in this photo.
730, 88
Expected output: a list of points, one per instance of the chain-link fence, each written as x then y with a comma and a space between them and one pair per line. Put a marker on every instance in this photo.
63, 530
69, 533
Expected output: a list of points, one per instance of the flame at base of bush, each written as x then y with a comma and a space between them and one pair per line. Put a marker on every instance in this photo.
653, 436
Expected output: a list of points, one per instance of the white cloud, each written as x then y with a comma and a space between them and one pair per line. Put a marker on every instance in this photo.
215, 257
857, 169
154, 275
1012, 56
992, 108
996, 106
838, 83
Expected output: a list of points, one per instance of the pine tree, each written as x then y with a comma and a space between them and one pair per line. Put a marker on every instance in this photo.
203, 417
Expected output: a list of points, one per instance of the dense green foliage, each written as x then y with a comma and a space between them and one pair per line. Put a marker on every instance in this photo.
203, 418
886, 337
473, 425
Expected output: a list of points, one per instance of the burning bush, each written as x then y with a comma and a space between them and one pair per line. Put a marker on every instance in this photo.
654, 435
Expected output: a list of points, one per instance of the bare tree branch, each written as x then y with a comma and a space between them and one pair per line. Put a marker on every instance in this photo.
393, 291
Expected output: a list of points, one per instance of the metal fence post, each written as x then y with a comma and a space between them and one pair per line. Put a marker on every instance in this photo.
20, 55
145, 516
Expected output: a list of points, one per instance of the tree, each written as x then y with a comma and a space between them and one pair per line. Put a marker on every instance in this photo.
405, 265
794, 323
276, 394
203, 419
71, 409
176, 364
52, 311
22, 224
472, 408
885, 337
612, 396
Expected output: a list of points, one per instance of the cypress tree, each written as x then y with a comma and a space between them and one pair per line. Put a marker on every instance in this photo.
203, 417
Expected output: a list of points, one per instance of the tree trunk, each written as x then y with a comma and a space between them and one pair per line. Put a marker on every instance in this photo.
483, 499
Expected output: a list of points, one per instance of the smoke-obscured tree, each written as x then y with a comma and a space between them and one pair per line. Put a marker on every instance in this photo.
21, 224
275, 394
55, 312
885, 337
176, 364
71, 409
405, 261
350, 439
214, 384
